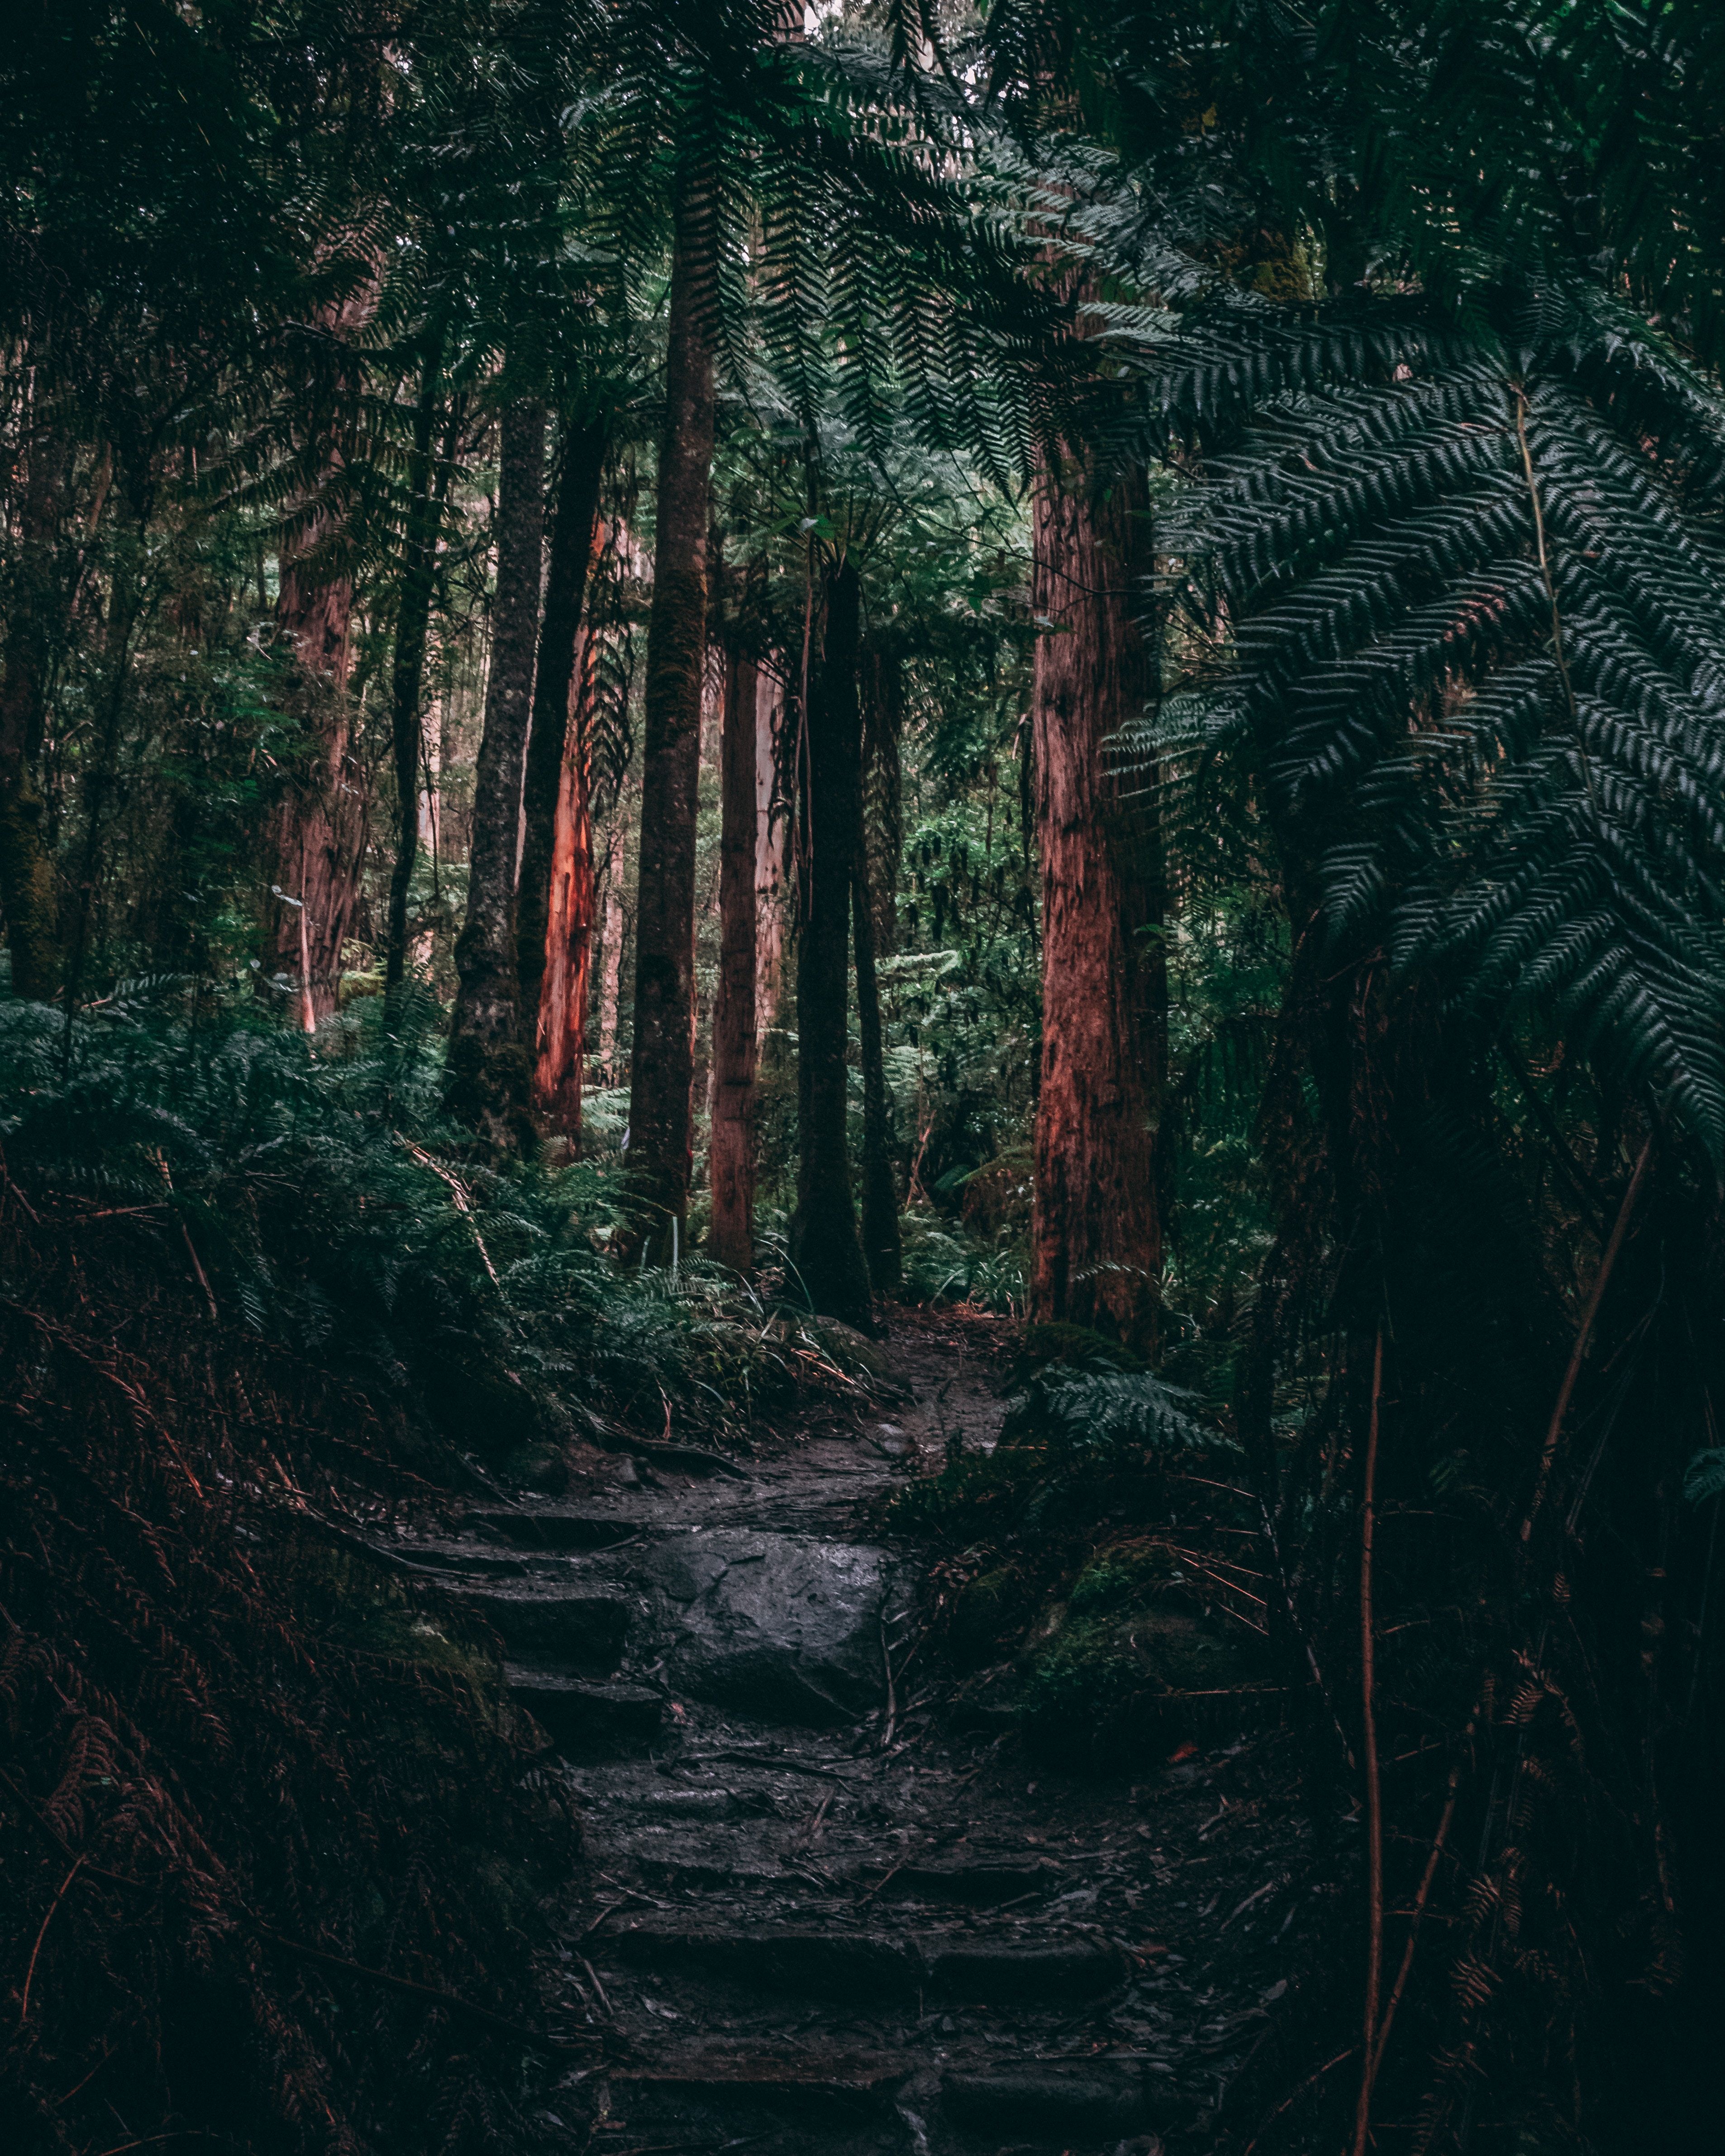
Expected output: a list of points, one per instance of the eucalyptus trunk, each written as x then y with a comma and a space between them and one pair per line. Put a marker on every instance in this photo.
825, 1248
560, 1033
731, 1159
408, 680
662, 1065
1096, 1232
882, 1245
28, 887
555, 761
487, 1070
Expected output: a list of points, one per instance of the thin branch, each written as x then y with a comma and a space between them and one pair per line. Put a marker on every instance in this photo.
1374, 1795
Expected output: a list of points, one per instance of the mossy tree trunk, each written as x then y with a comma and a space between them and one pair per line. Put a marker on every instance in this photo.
554, 797
732, 1153
825, 1247
662, 1063
1096, 1232
487, 1070
882, 1246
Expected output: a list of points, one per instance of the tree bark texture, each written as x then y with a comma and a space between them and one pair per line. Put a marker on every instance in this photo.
882, 1246
29, 889
319, 834
731, 1160
408, 679
612, 934
560, 1029
825, 1247
555, 758
1096, 1232
772, 829
662, 1065
488, 1070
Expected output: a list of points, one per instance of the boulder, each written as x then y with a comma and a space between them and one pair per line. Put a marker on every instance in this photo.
777, 1626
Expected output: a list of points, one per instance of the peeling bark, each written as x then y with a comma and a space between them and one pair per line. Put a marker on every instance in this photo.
1096, 1234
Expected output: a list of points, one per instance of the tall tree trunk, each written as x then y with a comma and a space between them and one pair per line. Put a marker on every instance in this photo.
28, 884
611, 969
318, 837
772, 826
318, 840
487, 1071
662, 1067
560, 1033
730, 1169
825, 1245
554, 759
1096, 1232
882, 1245
408, 680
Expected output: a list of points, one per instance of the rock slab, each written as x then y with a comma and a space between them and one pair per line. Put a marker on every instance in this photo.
778, 1626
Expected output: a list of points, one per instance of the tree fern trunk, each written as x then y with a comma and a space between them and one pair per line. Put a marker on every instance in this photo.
488, 1068
554, 760
731, 1154
1096, 1232
825, 1245
662, 1067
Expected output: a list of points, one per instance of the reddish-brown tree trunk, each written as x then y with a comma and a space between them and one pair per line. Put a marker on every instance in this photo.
561, 1029
772, 828
731, 1160
1096, 1234
662, 1066
554, 792
318, 838
488, 1072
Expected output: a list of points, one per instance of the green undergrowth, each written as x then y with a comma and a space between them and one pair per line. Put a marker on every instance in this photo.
316, 1194
1084, 1571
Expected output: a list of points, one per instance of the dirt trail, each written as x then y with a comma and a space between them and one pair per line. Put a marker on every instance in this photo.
827, 1909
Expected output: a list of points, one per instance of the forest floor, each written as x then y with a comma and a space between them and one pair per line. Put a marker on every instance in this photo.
830, 1900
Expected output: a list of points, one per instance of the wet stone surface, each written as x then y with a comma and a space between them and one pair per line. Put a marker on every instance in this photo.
813, 1922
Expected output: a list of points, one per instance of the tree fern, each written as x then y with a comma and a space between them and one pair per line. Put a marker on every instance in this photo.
1475, 634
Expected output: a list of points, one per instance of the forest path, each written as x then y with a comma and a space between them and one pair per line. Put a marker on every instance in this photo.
824, 1915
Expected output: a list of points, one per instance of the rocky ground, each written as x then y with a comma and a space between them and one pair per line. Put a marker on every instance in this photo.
831, 1902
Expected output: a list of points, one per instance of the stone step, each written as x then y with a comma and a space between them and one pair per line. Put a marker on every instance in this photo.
786, 2103
553, 1528
582, 1628
1090, 2099
430, 1555
854, 1966
976, 1885
587, 1721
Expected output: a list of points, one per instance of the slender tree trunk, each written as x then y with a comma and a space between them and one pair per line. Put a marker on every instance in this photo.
552, 758
1097, 1233
611, 970
487, 1079
882, 1245
731, 1156
662, 1067
772, 823
560, 1034
825, 1244
28, 884
407, 684
318, 839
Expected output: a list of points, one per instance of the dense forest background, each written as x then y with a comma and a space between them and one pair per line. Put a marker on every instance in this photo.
673, 670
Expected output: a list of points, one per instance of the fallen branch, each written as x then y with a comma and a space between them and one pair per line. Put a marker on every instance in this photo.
1374, 1795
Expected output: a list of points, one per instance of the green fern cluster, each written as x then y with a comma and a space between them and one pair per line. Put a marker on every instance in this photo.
1469, 612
